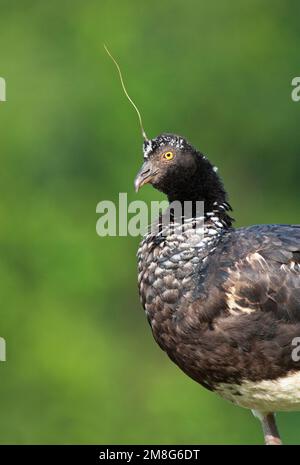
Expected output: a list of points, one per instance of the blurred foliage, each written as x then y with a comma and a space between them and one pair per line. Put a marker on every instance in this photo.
82, 366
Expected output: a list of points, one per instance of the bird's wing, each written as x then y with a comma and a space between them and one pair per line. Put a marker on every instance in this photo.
250, 297
263, 272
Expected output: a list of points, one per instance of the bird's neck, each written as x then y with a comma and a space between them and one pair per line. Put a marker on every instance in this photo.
203, 191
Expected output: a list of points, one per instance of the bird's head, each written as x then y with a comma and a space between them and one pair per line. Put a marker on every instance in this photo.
173, 166
169, 162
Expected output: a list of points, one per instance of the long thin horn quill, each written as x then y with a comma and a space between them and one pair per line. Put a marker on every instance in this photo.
126, 93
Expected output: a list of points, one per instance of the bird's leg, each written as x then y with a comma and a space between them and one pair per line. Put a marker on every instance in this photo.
271, 434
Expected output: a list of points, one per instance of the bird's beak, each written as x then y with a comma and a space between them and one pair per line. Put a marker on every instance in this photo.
144, 176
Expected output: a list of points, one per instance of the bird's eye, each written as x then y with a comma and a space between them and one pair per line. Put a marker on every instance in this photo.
168, 155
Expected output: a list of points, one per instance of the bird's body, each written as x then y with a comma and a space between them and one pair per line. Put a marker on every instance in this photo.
223, 303
226, 311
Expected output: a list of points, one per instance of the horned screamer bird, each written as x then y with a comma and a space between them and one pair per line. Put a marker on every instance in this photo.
223, 303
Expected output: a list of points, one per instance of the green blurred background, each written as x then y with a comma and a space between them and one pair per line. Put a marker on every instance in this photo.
82, 366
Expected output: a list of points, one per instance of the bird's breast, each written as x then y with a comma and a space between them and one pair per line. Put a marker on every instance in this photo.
169, 270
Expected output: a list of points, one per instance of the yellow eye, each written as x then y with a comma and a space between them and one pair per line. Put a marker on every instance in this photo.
168, 155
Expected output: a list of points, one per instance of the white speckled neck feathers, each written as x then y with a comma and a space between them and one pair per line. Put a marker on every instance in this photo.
177, 252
